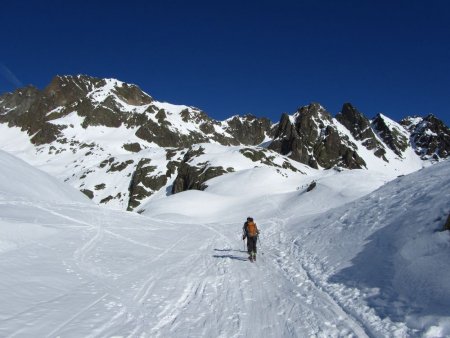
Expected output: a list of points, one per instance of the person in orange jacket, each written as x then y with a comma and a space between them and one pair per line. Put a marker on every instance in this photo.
251, 232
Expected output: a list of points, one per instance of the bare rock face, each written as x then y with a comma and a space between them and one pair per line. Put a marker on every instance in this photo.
13, 105
266, 157
193, 177
430, 136
132, 95
249, 129
392, 136
144, 183
360, 128
313, 139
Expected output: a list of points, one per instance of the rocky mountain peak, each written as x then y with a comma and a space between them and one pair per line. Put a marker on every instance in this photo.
249, 129
430, 136
392, 134
313, 111
359, 127
311, 137
19, 101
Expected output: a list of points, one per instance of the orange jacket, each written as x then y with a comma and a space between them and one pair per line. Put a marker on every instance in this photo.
250, 229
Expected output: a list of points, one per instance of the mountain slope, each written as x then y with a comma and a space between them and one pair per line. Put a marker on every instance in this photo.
373, 266
122, 148
20, 181
389, 248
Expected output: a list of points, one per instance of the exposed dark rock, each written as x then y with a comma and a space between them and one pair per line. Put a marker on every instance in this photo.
135, 120
102, 116
132, 94
106, 199
313, 139
392, 137
194, 178
119, 166
132, 147
311, 186
207, 128
106, 162
360, 128
15, 104
191, 153
161, 116
172, 167
430, 136
144, 183
64, 90
255, 155
88, 193
264, 156
164, 137
249, 129
170, 153
47, 134
100, 186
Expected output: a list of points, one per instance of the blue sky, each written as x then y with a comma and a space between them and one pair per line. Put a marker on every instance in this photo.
236, 57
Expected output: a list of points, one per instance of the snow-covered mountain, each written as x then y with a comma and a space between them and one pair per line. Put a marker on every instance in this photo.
340, 260
123, 148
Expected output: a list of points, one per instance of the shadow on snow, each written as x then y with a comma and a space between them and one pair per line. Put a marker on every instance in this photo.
230, 256
398, 292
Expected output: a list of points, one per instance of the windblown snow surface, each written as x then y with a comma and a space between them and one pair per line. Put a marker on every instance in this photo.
355, 257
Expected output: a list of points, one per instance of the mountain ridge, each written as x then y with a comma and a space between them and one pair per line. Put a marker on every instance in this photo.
90, 131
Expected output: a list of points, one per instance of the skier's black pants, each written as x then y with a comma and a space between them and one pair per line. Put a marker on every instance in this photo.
251, 244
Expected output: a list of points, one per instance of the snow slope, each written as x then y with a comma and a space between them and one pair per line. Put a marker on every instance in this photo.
332, 262
20, 181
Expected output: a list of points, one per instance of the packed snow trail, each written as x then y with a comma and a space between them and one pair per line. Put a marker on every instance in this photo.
125, 275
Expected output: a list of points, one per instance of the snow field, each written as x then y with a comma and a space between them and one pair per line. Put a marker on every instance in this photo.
340, 261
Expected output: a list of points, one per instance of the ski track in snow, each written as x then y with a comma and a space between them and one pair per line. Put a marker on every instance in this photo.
218, 292
102, 273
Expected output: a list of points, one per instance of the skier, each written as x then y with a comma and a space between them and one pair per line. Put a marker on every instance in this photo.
251, 232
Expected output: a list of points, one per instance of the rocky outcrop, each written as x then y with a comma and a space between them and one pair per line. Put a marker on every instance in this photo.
132, 147
360, 128
193, 177
13, 105
265, 156
391, 134
132, 95
429, 135
163, 136
249, 129
88, 193
311, 186
311, 138
144, 182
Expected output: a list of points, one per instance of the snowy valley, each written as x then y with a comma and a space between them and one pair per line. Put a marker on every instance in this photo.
351, 213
